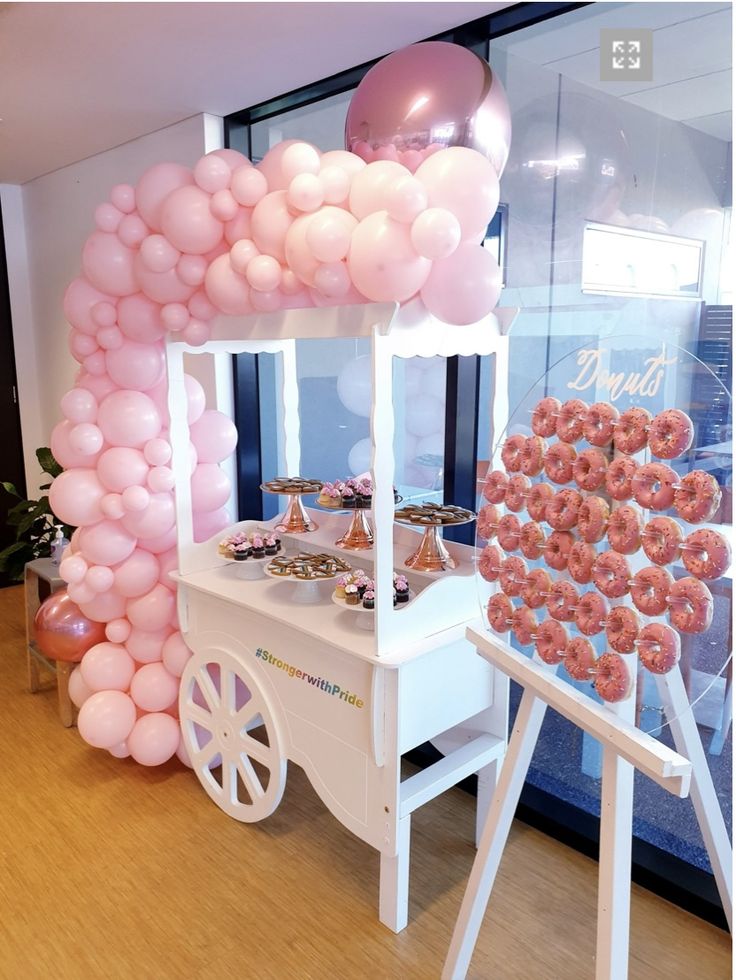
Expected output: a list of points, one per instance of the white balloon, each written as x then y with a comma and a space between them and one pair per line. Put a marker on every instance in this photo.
424, 416
354, 386
434, 381
359, 457
413, 375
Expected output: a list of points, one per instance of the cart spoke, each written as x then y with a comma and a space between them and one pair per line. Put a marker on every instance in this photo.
250, 778
230, 780
207, 688
200, 717
203, 757
256, 750
227, 690
248, 713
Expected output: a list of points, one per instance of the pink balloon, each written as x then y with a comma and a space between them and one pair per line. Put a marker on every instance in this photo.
112, 506
263, 273
332, 279
108, 264
121, 467
123, 197
120, 751
106, 543
196, 404
406, 198
162, 542
153, 688
95, 363
137, 366
465, 183
299, 158
266, 302
196, 333
155, 186
305, 193
154, 740
132, 230
73, 569
188, 223
99, 384
99, 578
79, 300
152, 611
146, 647
223, 205
107, 217
155, 520
106, 718
214, 437
135, 499
107, 667
370, 187
85, 439
176, 654
137, 574
270, 165
270, 222
175, 316
168, 562
158, 254
238, 227
298, 254
233, 158
162, 287
75, 497
139, 318
212, 173
210, 487
82, 345
128, 418
104, 314
104, 607
209, 523
191, 269
182, 753
62, 450
79, 405
329, 232
157, 452
200, 307
80, 592
78, 690
436, 233
382, 262
248, 185
110, 338
335, 185
464, 287
227, 290
160, 479
159, 395
118, 630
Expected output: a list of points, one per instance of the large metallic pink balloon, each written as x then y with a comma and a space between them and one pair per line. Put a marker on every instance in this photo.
62, 631
427, 97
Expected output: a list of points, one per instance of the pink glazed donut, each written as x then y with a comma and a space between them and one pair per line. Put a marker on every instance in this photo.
517, 491
706, 554
562, 510
697, 497
531, 540
532, 456
690, 605
544, 417
500, 611
524, 625
580, 562
558, 461
670, 434
659, 648
557, 550
509, 530
569, 426
591, 612
487, 522
599, 424
653, 486
630, 433
624, 530
494, 488
622, 629
661, 540
552, 638
579, 658
589, 469
649, 590
536, 504
511, 453
489, 563
612, 679
535, 590
611, 574
619, 476
513, 575
562, 600
593, 519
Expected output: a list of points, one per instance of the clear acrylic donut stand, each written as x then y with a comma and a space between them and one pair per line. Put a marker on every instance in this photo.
624, 371
272, 681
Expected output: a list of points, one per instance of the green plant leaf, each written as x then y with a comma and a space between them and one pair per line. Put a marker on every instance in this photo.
47, 462
32, 516
10, 489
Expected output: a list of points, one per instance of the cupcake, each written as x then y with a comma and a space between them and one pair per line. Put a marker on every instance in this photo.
351, 594
259, 548
270, 544
340, 586
241, 552
348, 496
401, 589
369, 599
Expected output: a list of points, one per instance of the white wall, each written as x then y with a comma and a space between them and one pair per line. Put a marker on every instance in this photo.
46, 223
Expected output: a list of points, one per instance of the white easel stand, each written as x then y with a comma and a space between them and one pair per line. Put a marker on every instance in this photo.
624, 748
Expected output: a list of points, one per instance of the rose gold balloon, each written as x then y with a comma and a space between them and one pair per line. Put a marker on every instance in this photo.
427, 97
62, 631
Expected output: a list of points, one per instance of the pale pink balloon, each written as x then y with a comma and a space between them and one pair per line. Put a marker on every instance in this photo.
135, 365
351, 298
212, 173
176, 654
168, 562
305, 193
182, 753
132, 230
152, 611
104, 607
382, 262
135, 499
107, 667
99, 578
210, 487
335, 185
123, 197
79, 405
73, 569
229, 291
117, 630
106, 543
200, 307
328, 234
387, 152
233, 158
154, 740
155, 520
104, 314
196, 404
139, 318
155, 186
436, 233
238, 227
196, 333
290, 283
263, 273
108, 264
80, 299
160, 479
270, 223
188, 223
86, 439
153, 688
161, 543
332, 279
191, 269
465, 183
299, 158
78, 690
137, 574
175, 316
106, 718
270, 165
299, 256
75, 497
112, 506
465, 287
122, 467
209, 523
266, 302
223, 206
100, 385
110, 338
370, 187
346, 161
145, 647
120, 751
158, 254
95, 363
157, 452
159, 395
80, 592
214, 437
248, 185
406, 199
107, 217
241, 254
128, 418
162, 287
81, 345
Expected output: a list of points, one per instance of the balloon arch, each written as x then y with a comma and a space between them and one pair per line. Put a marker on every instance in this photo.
398, 216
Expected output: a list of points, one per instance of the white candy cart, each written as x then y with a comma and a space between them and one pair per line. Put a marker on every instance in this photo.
273, 678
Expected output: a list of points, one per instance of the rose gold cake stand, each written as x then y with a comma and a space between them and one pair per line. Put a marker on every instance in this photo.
359, 536
295, 519
431, 555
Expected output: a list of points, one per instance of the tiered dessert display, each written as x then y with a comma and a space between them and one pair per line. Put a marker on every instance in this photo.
432, 555
295, 518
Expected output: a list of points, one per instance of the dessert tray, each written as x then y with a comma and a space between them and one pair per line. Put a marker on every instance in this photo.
305, 572
431, 555
295, 519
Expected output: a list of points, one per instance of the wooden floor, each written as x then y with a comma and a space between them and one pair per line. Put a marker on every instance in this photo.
109, 870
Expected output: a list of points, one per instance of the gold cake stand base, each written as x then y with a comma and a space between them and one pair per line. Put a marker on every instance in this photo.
359, 536
431, 555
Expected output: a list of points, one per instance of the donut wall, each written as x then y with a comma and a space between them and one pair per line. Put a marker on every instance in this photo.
597, 547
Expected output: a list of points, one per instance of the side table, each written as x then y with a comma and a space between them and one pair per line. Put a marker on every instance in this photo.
41, 579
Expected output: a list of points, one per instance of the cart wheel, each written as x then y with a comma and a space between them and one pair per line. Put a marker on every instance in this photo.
232, 736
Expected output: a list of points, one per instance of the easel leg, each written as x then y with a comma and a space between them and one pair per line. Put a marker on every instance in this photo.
495, 833
487, 781
721, 733
614, 867
393, 887
702, 791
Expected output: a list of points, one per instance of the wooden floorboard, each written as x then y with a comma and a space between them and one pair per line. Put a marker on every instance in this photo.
111, 870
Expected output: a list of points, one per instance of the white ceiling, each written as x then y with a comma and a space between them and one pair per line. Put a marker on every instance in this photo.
692, 57
79, 78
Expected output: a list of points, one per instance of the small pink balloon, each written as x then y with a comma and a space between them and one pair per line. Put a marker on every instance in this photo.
382, 262
63, 452
139, 318
107, 667
73, 569
182, 753
266, 302
335, 184
145, 647
270, 223
129, 419
152, 611
299, 158
82, 345
290, 285
161, 287
233, 158
160, 543
106, 718
299, 256
153, 688
123, 197
176, 654
406, 198
75, 497
174, 316
369, 189
100, 385
155, 520
137, 574
160, 479
329, 232
112, 506
78, 690
104, 314
270, 165
86, 439
464, 287
212, 173
99, 578
168, 562
188, 223
209, 523
436, 233
80, 592
158, 254
411, 159
157, 452
210, 487
135, 499
464, 182
117, 630
348, 162
227, 290
196, 333
214, 437
120, 751
248, 186
80, 299
223, 206
107, 217
106, 543
122, 467
110, 338
238, 227
79, 405
154, 740
200, 307
104, 607
332, 279
305, 193
135, 365
108, 264
241, 255
196, 402
132, 230
192, 269
95, 363
263, 273
154, 187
